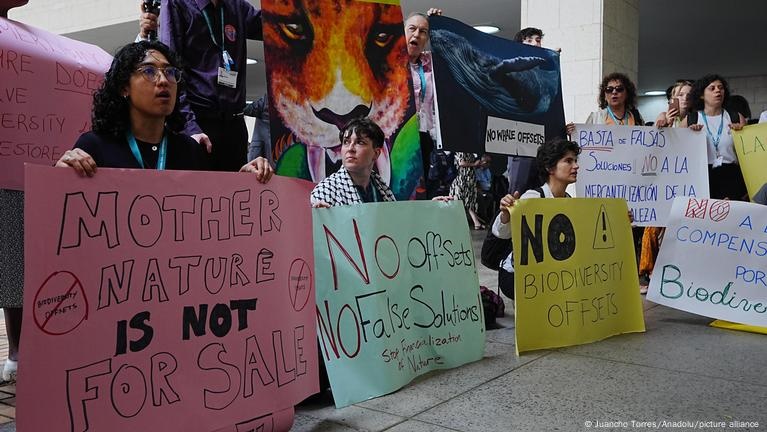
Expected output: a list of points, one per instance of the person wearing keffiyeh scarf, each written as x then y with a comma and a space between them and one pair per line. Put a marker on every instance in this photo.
356, 182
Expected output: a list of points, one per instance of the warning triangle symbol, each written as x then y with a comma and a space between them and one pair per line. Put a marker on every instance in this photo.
603, 232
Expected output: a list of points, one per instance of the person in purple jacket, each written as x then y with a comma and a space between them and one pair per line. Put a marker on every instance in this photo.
210, 37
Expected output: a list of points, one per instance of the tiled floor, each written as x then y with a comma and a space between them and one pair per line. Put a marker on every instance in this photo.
679, 370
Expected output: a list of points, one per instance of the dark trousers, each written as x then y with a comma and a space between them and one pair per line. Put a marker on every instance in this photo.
427, 146
726, 181
486, 206
229, 136
506, 283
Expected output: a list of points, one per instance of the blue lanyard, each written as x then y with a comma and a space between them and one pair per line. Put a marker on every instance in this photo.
210, 26
228, 61
137, 154
422, 77
615, 119
718, 138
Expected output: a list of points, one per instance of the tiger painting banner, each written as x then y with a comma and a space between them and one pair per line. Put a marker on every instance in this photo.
751, 147
713, 261
397, 294
328, 62
165, 300
46, 92
575, 278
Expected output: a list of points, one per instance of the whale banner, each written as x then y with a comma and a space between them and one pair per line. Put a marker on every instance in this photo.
493, 94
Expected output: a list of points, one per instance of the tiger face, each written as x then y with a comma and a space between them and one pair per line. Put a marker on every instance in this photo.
330, 61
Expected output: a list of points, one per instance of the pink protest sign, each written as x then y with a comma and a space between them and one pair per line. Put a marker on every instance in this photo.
168, 301
46, 91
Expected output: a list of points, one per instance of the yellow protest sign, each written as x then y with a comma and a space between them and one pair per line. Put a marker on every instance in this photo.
740, 327
575, 277
751, 147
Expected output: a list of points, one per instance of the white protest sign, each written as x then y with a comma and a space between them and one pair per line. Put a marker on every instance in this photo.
644, 165
513, 137
713, 260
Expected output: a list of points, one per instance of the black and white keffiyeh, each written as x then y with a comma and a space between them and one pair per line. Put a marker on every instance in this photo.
339, 190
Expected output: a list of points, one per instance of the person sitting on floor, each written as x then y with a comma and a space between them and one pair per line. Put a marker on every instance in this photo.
557, 162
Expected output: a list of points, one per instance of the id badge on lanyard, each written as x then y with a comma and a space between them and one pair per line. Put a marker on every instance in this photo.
226, 76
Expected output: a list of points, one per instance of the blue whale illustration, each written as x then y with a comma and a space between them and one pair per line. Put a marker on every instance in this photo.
519, 86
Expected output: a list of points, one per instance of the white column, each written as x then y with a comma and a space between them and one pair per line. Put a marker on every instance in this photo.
597, 37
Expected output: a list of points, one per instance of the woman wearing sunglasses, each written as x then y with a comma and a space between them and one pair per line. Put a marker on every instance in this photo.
617, 102
136, 118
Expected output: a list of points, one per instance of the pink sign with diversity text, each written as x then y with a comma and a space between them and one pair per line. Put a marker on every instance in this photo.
46, 93
166, 300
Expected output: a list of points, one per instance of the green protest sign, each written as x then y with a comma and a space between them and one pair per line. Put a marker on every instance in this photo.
397, 294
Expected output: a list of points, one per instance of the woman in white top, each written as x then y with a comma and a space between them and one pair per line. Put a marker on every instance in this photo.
708, 98
557, 162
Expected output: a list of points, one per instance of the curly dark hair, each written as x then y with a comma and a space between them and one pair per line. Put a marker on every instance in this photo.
363, 126
551, 152
526, 33
631, 90
699, 88
110, 109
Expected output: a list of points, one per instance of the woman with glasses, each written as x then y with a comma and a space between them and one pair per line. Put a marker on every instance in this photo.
137, 121
617, 102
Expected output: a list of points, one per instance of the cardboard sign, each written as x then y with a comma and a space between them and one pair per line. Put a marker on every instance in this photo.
575, 278
46, 93
713, 261
165, 300
751, 147
644, 165
397, 294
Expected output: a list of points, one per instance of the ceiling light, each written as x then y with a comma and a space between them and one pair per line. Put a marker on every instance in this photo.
251, 61
489, 29
655, 93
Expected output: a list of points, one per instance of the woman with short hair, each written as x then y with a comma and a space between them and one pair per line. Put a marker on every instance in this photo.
557, 162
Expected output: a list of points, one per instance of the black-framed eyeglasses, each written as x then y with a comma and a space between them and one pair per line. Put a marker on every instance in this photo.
152, 73
618, 89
